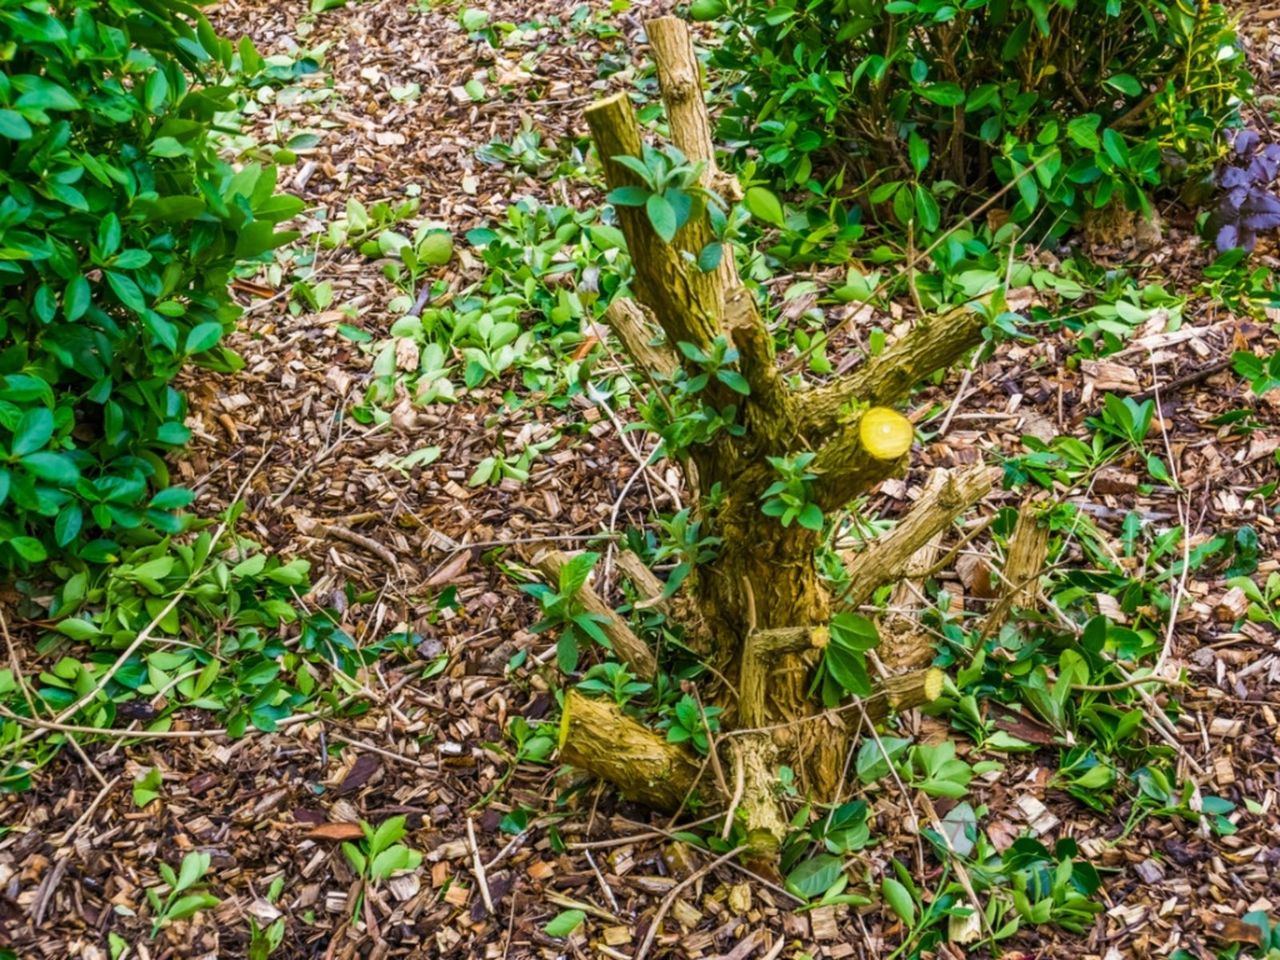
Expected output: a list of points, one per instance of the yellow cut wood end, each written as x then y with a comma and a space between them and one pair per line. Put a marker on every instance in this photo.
885, 434
933, 684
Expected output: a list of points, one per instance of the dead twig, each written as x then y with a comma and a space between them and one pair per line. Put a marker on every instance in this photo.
478, 867
656, 924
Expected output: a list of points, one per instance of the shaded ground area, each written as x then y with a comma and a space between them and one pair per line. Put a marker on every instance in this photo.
77, 855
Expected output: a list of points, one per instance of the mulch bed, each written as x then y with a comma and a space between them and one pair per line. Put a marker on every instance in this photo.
433, 749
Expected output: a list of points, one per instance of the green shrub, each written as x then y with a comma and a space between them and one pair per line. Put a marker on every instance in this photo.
119, 226
913, 103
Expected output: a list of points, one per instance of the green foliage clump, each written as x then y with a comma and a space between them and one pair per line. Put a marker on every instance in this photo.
913, 103
119, 228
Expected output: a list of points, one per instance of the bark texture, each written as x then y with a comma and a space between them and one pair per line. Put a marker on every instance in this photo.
1020, 579
597, 736
947, 495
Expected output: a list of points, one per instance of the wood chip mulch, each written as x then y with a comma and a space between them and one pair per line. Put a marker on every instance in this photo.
75, 857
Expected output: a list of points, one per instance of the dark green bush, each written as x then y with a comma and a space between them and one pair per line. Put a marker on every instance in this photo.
911, 104
119, 226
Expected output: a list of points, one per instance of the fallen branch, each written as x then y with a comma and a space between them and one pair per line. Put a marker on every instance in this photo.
1028, 549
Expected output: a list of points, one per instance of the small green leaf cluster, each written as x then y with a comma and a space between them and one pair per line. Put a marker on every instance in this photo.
380, 853
119, 228
549, 272
790, 497
687, 722
1263, 373
1025, 885
1264, 601
613, 680
844, 665
684, 420
1120, 429
185, 898
264, 940
716, 362
681, 540
668, 192
216, 613
562, 609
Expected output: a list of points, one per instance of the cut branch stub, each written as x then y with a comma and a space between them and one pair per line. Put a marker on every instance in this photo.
905, 691
628, 648
598, 737
764, 648
642, 338
847, 467
650, 588
685, 301
932, 344
885, 434
946, 496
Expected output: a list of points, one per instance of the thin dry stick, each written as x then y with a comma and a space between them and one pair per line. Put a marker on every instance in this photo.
381, 751
608, 894
478, 867
368, 544
781, 891
739, 787
962, 873
560, 900
512, 844
706, 762
648, 834
458, 548
670, 899
641, 471
951, 554
956, 400
1183, 518
41, 727
70, 832
721, 782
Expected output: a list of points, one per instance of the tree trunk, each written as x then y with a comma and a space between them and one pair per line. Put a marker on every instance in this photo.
765, 578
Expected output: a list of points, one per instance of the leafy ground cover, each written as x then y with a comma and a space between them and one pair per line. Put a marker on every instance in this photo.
436, 822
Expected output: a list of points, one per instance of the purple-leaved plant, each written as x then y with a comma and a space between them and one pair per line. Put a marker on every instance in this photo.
1247, 205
